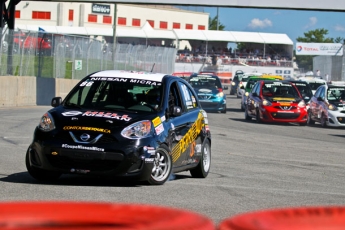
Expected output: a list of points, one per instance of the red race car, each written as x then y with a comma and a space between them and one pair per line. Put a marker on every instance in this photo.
276, 101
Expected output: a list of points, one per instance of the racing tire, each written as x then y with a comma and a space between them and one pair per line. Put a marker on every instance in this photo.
310, 121
246, 115
232, 91
203, 168
242, 107
323, 120
162, 166
257, 116
224, 110
40, 174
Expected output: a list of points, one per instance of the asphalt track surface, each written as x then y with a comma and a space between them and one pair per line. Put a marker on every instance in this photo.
254, 166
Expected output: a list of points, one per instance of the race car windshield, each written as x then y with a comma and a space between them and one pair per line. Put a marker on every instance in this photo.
129, 94
336, 94
279, 91
209, 82
304, 90
315, 85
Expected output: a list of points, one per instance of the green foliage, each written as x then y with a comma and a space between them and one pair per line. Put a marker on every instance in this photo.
212, 24
313, 36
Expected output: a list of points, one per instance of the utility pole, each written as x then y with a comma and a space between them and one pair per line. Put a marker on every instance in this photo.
217, 18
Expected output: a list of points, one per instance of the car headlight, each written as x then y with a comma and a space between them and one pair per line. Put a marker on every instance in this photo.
137, 130
46, 123
301, 104
266, 102
332, 107
221, 94
233, 83
247, 94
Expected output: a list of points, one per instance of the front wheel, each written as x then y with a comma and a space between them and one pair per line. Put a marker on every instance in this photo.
323, 120
310, 121
203, 168
246, 115
258, 118
40, 174
162, 166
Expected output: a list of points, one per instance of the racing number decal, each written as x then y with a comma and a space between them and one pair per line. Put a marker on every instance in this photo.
188, 139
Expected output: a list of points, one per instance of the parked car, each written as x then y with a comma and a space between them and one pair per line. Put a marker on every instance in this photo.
27, 41
250, 84
327, 106
210, 92
276, 101
123, 124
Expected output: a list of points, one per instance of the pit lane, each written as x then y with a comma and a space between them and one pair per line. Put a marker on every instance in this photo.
254, 166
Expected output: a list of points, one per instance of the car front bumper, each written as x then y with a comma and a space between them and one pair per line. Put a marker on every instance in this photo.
270, 114
336, 119
124, 159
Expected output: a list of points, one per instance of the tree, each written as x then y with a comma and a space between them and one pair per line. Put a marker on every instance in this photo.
313, 36
212, 24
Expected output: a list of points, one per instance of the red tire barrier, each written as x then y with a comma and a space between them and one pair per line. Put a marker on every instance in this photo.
97, 216
306, 218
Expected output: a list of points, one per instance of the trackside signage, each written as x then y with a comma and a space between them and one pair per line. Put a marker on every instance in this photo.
330, 49
100, 9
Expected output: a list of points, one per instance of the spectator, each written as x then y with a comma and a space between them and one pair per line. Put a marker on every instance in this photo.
318, 73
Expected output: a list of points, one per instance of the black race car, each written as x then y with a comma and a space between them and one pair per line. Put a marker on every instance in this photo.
123, 124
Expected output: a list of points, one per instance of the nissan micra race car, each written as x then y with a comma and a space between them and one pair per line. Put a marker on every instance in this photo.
123, 124
327, 106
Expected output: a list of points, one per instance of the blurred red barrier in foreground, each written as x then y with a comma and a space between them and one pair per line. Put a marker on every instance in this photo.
97, 216
295, 218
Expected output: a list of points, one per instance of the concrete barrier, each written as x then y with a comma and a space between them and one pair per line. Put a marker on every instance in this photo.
31, 90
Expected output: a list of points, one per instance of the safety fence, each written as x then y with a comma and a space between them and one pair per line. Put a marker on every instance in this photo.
27, 53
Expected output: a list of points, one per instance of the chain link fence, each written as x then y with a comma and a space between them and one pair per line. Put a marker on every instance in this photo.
27, 53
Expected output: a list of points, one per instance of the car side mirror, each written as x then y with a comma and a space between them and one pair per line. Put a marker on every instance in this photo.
242, 87
320, 99
254, 94
56, 101
177, 111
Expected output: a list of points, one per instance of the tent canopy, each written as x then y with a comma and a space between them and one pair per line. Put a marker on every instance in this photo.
176, 34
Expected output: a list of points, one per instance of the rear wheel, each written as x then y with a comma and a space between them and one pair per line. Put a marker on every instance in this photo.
323, 120
40, 174
310, 121
162, 166
203, 168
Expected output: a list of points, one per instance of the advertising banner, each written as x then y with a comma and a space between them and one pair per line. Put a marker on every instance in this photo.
330, 49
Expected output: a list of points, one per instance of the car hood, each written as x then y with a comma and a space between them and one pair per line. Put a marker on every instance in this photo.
102, 119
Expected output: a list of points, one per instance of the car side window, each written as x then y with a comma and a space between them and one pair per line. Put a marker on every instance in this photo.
174, 98
189, 101
317, 93
322, 92
254, 88
257, 90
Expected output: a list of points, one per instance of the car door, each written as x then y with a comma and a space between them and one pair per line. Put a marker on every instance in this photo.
193, 118
179, 125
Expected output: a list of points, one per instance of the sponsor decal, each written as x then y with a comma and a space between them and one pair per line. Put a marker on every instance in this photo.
130, 80
192, 149
149, 159
150, 150
283, 99
284, 104
163, 118
86, 83
82, 128
159, 129
107, 115
71, 113
188, 138
66, 146
157, 121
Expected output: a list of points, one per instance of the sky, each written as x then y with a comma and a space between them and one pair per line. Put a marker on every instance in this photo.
294, 23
